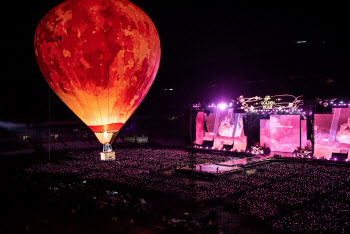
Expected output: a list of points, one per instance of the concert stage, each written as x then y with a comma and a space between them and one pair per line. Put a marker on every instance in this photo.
215, 168
278, 123
235, 164
282, 154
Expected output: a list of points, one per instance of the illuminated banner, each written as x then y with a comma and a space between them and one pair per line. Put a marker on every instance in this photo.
276, 102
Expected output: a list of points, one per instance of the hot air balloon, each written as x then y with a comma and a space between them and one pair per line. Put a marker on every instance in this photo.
100, 57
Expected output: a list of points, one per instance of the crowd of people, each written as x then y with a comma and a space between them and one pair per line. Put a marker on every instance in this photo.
291, 196
146, 159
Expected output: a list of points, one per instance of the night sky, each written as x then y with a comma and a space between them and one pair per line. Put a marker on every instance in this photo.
207, 53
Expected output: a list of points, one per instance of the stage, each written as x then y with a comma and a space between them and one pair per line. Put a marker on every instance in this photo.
235, 164
215, 168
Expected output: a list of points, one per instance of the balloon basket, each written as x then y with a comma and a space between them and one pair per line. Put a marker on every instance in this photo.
107, 156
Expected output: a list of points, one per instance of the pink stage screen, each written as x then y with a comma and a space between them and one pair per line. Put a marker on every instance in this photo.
230, 130
199, 128
209, 123
304, 142
265, 132
332, 132
284, 132
223, 126
204, 127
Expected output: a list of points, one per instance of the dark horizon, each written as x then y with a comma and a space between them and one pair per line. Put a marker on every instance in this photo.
207, 53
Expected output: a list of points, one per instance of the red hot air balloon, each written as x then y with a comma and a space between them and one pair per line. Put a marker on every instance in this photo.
100, 57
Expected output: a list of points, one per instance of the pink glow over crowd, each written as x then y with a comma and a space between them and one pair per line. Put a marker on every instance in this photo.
293, 196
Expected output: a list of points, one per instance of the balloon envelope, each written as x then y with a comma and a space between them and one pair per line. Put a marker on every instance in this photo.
100, 57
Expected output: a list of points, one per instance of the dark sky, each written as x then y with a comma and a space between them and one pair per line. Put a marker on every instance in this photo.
207, 53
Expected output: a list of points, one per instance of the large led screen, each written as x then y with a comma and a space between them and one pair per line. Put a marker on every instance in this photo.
304, 142
199, 128
209, 124
223, 126
332, 132
230, 130
284, 132
226, 123
205, 123
265, 132
240, 140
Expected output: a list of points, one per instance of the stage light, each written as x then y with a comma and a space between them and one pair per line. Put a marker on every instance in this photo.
335, 159
317, 157
222, 106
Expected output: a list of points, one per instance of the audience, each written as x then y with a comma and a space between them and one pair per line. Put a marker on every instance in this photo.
291, 196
